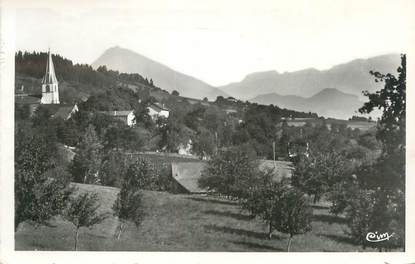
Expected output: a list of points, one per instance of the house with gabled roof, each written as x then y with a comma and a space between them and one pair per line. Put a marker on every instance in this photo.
156, 110
127, 116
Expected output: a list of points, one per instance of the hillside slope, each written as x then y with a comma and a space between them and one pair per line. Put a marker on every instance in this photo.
183, 223
125, 60
352, 77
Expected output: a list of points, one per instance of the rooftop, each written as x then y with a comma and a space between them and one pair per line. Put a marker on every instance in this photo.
26, 100
117, 113
158, 107
187, 175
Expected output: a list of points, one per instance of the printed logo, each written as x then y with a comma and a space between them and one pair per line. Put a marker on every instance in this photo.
375, 237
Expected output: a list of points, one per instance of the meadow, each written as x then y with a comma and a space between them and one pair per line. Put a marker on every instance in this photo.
361, 125
179, 222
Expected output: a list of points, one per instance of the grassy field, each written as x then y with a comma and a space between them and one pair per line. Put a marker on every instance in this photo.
361, 125
183, 223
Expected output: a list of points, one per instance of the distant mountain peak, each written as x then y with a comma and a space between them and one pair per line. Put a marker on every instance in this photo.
329, 102
261, 74
333, 91
126, 60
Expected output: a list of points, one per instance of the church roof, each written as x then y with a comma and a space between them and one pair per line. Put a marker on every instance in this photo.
50, 77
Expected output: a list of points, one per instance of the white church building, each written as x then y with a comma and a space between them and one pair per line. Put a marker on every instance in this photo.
50, 88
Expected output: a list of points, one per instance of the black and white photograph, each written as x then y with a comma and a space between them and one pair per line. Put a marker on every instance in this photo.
198, 126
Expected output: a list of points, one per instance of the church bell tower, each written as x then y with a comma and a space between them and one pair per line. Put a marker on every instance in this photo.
50, 91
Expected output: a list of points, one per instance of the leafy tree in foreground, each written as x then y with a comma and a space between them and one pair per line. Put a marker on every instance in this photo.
317, 174
281, 207
292, 214
38, 197
385, 182
129, 205
83, 212
261, 198
391, 130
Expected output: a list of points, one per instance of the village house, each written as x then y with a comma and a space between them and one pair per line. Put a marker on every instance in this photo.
128, 116
157, 110
185, 149
298, 148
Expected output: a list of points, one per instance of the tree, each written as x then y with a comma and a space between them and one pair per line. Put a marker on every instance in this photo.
317, 174
292, 214
205, 99
67, 132
228, 171
261, 197
83, 212
175, 93
142, 116
38, 196
379, 204
129, 204
172, 133
391, 129
113, 165
280, 206
86, 163
204, 144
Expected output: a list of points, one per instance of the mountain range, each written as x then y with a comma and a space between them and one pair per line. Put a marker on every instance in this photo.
128, 61
335, 92
328, 102
352, 77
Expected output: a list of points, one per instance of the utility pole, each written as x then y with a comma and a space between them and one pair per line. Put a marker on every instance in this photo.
273, 151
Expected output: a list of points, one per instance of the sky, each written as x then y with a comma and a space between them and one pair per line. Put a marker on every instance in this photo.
220, 41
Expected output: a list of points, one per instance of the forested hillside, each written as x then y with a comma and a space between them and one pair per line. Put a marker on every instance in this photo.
208, 124
77, 81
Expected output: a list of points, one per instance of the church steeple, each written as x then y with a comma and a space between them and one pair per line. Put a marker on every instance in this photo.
49, 77
50, 90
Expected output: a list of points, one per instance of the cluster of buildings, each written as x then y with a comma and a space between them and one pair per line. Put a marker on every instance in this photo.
50, 99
